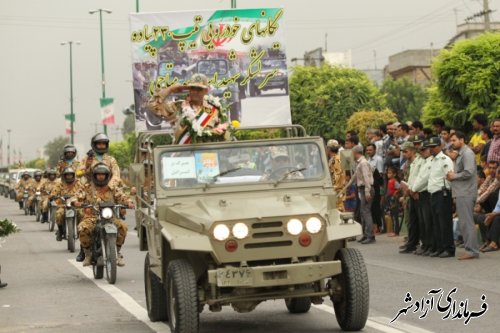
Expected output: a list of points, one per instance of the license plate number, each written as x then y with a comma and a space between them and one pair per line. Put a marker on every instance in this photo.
231, 277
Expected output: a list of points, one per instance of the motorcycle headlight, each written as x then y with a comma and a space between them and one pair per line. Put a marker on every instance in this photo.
68, 203
221, 232
294, 227
313, 225
107, 213
38, 193
240, 230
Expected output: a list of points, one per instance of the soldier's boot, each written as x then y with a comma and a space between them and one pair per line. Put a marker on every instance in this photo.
60, 232
45, 217
80, 255
120, 262
88, 257
20, 205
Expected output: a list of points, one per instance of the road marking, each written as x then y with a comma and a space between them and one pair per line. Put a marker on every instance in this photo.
126, 302
379, 323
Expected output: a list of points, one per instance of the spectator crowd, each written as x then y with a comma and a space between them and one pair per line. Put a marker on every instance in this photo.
440, 183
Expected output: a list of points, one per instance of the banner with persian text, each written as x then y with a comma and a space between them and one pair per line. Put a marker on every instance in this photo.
240, 51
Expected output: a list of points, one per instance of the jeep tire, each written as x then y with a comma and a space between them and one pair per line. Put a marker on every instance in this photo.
182, 297
156, 297
351, 308
298, 304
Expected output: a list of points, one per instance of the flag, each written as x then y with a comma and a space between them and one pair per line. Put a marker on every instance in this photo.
69, 118
107, 111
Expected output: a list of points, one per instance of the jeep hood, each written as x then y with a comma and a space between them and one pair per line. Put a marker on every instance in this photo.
199, 213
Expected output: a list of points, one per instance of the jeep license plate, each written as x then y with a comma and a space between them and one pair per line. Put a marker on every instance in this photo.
234, 277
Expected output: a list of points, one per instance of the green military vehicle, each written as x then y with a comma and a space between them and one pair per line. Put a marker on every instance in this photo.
241, 222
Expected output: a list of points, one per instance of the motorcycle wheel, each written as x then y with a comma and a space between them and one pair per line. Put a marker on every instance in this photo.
52, 218
70, 234
109, 246
38, 213
97, 265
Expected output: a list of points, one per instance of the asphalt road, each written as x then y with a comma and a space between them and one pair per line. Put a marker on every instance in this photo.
49, 292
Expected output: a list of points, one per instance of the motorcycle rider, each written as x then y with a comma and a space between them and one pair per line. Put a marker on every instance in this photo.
99, 154
69, 187
45, 190
24, 184
68, 159
36, 185
100, 189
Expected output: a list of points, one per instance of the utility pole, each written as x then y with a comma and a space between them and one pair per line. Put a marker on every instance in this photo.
136, 6
100, 10
456, 10
233, 3
486, 10
72, 115
8, 147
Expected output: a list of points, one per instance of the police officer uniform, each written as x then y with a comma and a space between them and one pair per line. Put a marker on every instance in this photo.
441, 203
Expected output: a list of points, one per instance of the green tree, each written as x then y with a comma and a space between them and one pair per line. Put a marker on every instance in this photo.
467, 81
362, 120
322, 99
128, 125
54, 149
38, 163
404, 98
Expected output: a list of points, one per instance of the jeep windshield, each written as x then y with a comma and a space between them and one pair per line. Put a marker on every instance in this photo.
243, 164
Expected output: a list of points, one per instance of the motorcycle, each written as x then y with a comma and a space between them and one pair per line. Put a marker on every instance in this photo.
70, 221
52, 214
103, 248
36, 203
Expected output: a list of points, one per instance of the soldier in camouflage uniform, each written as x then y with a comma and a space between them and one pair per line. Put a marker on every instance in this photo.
336, 172
45, 190
68, 186
36, 185
24, 184
100, 189
99, 154
68, 159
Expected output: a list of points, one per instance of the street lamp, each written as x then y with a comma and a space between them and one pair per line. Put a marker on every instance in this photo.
100, 10
72, 117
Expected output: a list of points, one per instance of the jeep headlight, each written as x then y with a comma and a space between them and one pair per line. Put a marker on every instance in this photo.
221, 232
107, 213
313, 225
240, 230
294, 227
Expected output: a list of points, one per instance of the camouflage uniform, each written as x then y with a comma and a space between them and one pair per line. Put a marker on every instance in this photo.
21, 186
63, 164
62, 189
46, 189
338, 178
36, 185
94, 195
107, 159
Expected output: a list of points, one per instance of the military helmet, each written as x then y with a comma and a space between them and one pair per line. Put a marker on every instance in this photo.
26, 173
51, 172
68, 175
99, 137
69, 149
101, 168
38, 174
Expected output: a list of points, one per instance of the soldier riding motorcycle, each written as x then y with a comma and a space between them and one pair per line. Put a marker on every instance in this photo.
100, 191
22, 185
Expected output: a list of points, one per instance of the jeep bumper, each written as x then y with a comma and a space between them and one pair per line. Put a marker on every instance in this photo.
275, 275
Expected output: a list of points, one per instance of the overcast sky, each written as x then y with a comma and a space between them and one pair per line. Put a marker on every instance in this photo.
34, 67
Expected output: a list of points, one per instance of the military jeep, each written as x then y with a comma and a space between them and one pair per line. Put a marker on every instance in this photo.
241, 222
